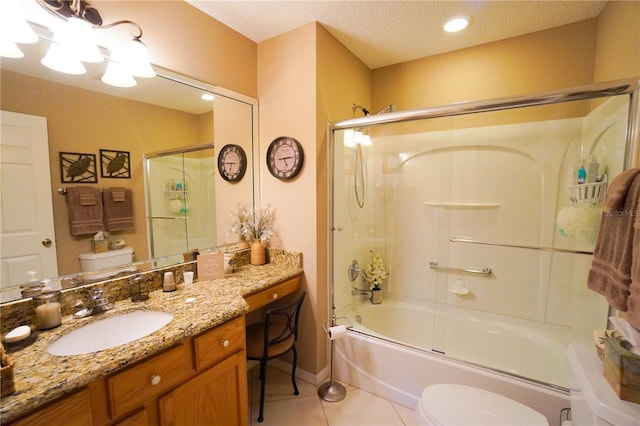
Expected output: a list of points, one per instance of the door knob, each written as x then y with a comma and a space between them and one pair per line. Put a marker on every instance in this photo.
47, 242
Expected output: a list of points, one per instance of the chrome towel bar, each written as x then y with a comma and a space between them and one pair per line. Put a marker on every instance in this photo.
521, 246
484, 271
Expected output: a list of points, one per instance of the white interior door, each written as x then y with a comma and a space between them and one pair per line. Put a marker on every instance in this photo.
26, 210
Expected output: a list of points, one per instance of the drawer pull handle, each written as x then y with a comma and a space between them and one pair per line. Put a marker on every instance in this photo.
225, 343
155, 379
274, 296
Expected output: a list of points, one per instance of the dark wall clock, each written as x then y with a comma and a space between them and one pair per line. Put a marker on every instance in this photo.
232, 163
285, 157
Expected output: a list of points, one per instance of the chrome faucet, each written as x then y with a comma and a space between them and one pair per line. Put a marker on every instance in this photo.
360, 292
96, 304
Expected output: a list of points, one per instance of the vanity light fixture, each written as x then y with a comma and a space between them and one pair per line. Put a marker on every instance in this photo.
457, 23
14, 29
73, 42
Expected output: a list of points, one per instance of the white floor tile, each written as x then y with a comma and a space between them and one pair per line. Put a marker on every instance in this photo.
407, 415
297, 411
361, 408
282, 408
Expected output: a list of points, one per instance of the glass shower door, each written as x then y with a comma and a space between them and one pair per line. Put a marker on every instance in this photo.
180, 191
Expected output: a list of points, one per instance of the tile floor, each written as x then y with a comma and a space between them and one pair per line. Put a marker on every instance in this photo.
282, 408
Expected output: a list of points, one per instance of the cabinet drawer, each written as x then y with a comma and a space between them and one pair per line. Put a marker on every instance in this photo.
215, 345
131, 388
271, 294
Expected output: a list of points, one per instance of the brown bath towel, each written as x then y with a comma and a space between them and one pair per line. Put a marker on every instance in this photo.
614, 254
633, 303
84, 210
118, 208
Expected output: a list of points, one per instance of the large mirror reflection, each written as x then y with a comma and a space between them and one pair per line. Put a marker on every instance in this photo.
53, 122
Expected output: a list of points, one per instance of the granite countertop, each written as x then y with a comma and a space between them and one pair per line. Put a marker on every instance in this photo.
41, 377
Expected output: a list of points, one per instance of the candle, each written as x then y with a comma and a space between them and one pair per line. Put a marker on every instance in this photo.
48, 315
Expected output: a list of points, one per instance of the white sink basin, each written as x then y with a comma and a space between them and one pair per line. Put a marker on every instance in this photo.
110, 332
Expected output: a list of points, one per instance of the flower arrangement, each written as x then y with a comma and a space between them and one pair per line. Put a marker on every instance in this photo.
375, 273
253, 224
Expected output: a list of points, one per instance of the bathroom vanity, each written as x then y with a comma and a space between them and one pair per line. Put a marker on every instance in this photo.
192, 370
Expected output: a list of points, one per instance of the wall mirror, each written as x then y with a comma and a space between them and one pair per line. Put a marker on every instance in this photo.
85, 116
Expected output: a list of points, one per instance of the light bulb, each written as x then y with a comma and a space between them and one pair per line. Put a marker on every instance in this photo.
82, 41
456, 24
117, 74
137, 59
60, 57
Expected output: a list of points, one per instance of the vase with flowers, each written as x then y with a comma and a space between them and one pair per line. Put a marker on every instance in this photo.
374, 274
255, 225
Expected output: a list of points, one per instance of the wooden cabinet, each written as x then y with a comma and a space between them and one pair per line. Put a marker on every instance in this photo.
72, 410
201, 381
134, 386
217, 394
273, 293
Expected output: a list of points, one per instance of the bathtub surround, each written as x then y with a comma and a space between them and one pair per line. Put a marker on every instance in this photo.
617, 254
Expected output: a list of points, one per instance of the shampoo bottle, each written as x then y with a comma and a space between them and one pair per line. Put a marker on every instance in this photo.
581, 175
592, 170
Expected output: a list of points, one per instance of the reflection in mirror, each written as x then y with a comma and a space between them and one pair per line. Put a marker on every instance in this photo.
180, 191
76, 115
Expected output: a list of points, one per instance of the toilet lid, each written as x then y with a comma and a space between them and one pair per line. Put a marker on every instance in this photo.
448, 404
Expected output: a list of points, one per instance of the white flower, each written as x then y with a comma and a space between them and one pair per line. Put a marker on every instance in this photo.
375, 273
254, 224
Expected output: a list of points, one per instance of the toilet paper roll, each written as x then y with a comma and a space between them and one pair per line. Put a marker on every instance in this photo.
337, 332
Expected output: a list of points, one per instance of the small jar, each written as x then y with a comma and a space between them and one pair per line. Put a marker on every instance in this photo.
48, 309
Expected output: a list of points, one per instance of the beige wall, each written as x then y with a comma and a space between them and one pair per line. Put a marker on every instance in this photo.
286, 89
75, 121
306, 78
181, 38
552, 59
617, 49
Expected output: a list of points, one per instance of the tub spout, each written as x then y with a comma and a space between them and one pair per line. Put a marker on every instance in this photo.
359, 292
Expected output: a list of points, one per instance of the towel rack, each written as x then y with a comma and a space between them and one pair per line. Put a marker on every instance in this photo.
63, 191
484, 271
522, 246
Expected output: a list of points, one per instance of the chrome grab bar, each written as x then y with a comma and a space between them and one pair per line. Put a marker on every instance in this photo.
521, 246
484, 271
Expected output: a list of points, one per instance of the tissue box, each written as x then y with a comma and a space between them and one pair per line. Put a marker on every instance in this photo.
622, 369
100, 246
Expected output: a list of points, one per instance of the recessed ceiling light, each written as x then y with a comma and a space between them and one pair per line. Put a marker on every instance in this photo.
457, 23
207, 97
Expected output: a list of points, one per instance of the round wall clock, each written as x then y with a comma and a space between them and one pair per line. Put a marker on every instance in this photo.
232, 162
285, 158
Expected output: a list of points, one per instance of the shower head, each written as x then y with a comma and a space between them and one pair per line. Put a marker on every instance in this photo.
388, 108
354, 107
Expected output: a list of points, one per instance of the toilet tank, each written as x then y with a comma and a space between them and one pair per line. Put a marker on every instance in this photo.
95, 261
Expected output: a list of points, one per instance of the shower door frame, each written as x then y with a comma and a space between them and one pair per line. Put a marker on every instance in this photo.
629, 87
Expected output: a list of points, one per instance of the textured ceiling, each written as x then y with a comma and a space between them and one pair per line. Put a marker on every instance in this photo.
383, 33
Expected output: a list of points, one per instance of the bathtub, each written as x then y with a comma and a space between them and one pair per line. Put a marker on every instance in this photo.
383, 354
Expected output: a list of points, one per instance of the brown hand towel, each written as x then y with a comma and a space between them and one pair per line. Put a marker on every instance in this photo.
118, 208
84, 210
610, 273
633, 303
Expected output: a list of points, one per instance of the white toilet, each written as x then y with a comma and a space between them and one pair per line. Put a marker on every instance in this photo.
449, 404
120, 260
